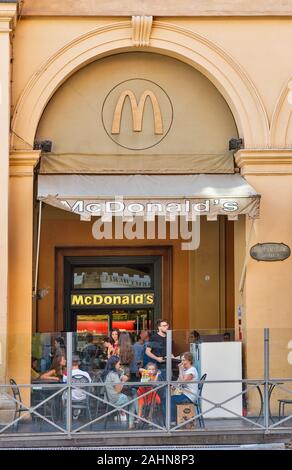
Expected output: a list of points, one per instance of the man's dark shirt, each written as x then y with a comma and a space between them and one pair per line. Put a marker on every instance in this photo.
157, 345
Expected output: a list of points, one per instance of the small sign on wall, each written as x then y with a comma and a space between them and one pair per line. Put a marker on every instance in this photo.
271, 251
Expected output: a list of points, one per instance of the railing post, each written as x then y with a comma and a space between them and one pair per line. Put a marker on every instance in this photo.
266, 377
168, 378
69, 383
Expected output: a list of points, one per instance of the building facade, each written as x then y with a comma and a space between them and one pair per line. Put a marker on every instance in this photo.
140, 101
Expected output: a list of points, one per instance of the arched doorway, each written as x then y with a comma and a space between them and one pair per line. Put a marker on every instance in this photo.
196, 125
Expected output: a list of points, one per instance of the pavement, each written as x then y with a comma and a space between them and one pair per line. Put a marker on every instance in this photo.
272, 446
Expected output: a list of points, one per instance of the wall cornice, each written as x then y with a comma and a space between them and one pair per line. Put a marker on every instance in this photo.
7, 17
264, 162
22, 163
158, 8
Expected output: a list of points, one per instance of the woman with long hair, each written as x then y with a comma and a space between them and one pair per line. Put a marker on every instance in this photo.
114, 382
57, 370
59, 348
126, 352
111, 367
114, 348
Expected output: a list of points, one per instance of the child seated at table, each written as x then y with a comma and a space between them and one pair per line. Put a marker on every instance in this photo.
150, 374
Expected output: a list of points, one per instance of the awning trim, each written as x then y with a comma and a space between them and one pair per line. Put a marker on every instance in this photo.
90, 163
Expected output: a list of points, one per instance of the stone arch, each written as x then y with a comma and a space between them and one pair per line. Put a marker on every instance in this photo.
281, 123
228, 77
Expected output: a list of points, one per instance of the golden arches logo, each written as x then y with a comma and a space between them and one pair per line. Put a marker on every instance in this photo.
137, 111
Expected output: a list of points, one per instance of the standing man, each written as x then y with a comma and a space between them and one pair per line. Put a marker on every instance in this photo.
156, 352
89, 354
156, 348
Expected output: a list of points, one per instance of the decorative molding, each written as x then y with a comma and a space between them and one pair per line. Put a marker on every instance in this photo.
141, 30
264, 162
5, 24
169, 39
23, 162
157, 8
281, 116
8, 17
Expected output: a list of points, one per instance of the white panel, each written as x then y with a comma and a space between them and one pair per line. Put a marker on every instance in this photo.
222, 361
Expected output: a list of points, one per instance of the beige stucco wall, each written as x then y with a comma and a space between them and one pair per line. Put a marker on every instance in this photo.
211, 290
37, 39
267, 38
267, 294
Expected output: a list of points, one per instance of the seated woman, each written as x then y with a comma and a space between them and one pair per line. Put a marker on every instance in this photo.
114, 382
189, 391
57, 370
150, 374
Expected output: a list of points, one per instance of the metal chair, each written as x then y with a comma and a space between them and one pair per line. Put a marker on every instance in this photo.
199, 400
109, 408
99, 393
18, 406
282, 403
83, 404
47, 409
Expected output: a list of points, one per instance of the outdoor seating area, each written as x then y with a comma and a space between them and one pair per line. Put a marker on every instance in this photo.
87, 390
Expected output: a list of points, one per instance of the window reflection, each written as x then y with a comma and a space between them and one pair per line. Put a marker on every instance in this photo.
112, 277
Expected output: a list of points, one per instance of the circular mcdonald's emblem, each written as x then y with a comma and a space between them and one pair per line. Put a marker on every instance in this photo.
137, 114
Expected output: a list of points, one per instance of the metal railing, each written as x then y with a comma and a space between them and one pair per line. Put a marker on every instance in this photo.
53, 412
